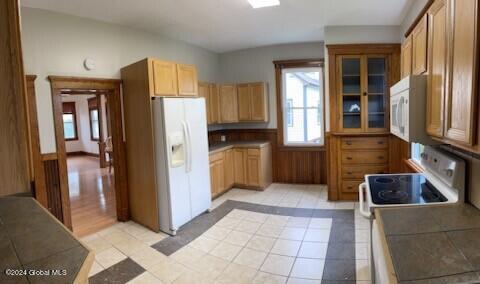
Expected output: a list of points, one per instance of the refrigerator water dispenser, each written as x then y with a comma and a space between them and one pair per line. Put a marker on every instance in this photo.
177, 148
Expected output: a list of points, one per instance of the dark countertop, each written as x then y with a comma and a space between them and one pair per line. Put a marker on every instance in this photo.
222, 146
437, 244
31, 239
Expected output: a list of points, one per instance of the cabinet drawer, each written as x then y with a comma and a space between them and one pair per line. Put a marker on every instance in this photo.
217, 156
365, 157
359, 172
253, 152
365, 143
350, 185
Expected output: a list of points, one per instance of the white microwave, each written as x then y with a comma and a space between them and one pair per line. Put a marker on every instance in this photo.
408, 109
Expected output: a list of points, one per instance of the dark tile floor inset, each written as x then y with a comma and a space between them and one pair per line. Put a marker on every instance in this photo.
339, 270
121, 272
341, 251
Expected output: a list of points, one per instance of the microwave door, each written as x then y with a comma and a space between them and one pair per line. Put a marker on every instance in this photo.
401, 115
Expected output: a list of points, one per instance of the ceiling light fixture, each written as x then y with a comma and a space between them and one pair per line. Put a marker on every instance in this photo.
263, 3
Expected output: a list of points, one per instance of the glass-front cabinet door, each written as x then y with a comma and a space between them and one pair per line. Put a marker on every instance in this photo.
362, 89
350, 89
376, 119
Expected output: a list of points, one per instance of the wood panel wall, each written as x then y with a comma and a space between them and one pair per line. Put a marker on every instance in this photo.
399, 153
290, 165
52, 184
14, 168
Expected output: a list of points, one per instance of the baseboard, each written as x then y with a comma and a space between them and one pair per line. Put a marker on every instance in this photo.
82, 153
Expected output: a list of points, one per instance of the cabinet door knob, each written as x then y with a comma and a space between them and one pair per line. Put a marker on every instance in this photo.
349, 158
348, 143
349, 173
380, 157
380, 142
365, 93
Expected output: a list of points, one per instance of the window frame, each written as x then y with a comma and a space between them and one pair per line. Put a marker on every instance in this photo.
92, 106
298, 64
73, 107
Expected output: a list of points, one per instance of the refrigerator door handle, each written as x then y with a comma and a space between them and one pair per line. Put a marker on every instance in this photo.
189, 147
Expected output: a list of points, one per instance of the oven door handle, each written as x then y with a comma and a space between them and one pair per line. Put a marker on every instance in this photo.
361, 206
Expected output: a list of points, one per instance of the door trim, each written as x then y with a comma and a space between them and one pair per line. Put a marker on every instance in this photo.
79, 85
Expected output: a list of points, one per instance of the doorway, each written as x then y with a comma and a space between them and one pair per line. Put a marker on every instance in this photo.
91, 152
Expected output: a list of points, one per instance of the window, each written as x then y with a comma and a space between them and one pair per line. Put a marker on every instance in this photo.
302, 97
94, 121
69, 121
417, 150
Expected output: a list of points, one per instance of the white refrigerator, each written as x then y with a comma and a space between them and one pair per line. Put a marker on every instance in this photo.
181, 150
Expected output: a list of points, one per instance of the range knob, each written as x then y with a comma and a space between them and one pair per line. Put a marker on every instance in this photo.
448, 172
424, 156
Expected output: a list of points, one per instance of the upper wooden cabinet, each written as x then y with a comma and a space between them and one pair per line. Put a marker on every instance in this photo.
166, 78
187, 80
228, 103
463, 82
452, 104
362, 93
414, 50
214, 104
252, 102
437, 54
204, 92
406, 64
419, 47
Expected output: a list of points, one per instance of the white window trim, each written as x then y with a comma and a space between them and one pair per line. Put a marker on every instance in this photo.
284, 113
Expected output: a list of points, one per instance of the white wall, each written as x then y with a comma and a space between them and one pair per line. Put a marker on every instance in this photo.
256, 64
361, 34
57, 44
84, 142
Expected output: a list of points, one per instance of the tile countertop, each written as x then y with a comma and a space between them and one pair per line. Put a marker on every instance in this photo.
433, 244
222, 146
33, 240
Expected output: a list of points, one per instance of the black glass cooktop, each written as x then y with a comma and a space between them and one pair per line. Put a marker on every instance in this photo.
403, 189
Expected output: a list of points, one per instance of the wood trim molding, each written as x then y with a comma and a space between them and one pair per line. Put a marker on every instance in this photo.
419, 17
359, 49
293, 63
75, 85
413, 166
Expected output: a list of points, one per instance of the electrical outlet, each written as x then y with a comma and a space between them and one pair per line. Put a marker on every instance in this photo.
223, 138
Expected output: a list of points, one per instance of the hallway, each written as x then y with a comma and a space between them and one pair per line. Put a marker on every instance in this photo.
92, 195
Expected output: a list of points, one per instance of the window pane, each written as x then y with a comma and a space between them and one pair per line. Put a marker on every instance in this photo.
417, 150
303, 103
68, 126
94, 127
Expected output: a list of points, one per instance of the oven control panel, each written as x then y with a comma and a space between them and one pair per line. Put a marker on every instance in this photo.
445, 166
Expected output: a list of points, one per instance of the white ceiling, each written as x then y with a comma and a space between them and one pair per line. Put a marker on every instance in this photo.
226, 25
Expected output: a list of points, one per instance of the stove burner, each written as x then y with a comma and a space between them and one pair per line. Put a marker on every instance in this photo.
406, 178
384, 180
393, 195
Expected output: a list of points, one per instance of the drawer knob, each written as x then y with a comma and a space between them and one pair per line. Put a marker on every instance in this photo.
349, 187
380, 142
349, 158
348, 143
380, 157
349, 173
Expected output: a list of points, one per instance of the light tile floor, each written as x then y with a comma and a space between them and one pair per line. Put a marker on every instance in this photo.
243, 247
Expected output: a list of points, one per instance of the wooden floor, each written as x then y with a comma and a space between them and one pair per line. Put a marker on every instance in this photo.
92, 195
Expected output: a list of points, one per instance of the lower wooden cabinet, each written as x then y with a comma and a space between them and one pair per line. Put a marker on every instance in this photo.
241, 167
217, 173
351, 158
229, 168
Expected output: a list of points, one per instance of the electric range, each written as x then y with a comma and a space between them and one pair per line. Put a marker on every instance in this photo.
442, 182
